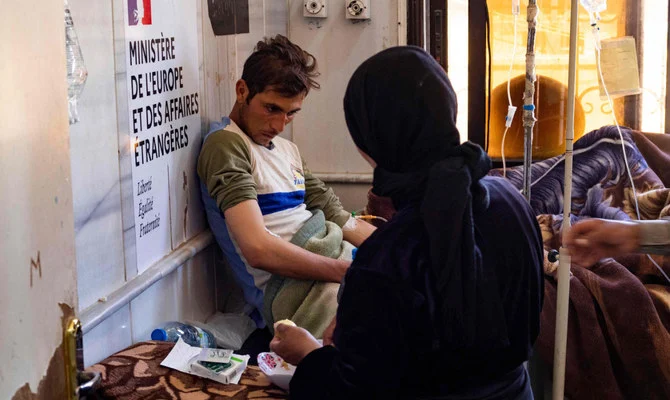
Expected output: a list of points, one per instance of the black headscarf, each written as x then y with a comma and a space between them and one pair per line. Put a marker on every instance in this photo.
401, 109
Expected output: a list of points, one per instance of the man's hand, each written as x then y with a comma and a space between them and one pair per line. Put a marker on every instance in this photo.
328, 333
293, 343
594, 239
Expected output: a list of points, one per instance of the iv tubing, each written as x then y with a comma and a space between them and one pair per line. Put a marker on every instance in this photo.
370, 217
367, 217
528, 97
563, 276
509, 118
502, 153
511, 65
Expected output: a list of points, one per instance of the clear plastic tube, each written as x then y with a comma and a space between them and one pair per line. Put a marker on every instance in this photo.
511, 110
76, 69
594, 6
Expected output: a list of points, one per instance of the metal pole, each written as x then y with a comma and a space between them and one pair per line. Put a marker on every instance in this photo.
667, 84
563, 276
424, 25
528, 96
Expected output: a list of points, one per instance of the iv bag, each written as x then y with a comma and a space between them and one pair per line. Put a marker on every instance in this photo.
594, 6
618, 63
76, 70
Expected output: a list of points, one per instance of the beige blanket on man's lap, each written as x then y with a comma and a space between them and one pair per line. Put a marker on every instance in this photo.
310, 304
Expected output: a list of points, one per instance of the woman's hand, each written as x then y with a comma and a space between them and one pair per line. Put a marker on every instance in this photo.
293, 343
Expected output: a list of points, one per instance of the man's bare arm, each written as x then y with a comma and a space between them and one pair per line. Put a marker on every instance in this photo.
355, 231
270, 253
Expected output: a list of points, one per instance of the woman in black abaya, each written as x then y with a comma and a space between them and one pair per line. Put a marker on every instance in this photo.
444, 300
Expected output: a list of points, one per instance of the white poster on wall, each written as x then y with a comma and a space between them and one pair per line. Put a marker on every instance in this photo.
163, 106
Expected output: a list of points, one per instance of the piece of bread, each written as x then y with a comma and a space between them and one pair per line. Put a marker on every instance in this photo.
283, 321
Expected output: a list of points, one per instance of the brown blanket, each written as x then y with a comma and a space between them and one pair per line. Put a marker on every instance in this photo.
618, 332
135, 373
619, 321
655, 148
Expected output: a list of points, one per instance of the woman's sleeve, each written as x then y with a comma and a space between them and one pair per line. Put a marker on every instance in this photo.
372, 338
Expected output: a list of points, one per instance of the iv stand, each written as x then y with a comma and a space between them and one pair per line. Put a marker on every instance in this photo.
528, 96
564, 261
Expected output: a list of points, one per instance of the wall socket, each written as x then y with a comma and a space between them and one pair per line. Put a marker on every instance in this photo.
357, 9
314, 9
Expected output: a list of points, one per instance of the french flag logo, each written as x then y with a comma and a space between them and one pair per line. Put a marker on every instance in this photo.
139, 12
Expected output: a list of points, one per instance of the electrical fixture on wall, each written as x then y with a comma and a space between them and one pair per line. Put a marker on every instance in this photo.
357, 9
314, 9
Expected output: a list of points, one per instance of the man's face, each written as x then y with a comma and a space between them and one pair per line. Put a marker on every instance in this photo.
266, 115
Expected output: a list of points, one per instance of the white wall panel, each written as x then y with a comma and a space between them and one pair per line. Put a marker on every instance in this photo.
213, 77
339, 46
186, 294
276, 17
125, 159
94, 151
186, 211
111, 336
247, 41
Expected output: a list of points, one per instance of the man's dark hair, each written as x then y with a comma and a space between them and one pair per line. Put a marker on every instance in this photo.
281, 65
